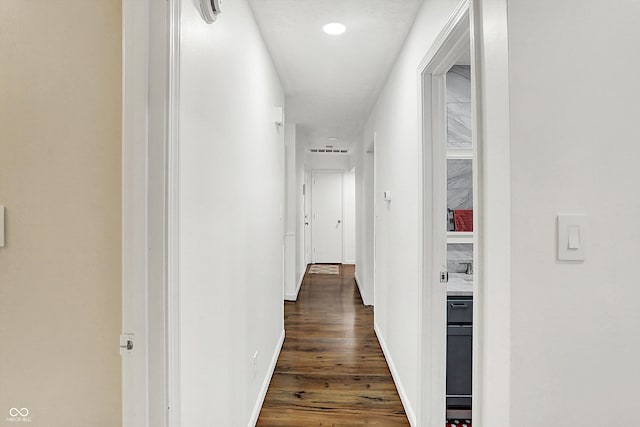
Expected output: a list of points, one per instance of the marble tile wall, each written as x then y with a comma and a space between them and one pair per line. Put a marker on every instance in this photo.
457, 253
459, 184
459, 171
459, 107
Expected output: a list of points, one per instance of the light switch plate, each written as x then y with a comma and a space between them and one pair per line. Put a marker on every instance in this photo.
572, 237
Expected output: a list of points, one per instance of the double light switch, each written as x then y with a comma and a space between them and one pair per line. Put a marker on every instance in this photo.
572, 237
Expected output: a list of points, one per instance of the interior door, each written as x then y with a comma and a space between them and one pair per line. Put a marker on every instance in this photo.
326, 218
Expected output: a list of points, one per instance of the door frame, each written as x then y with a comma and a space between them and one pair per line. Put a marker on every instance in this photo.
150, 89
450, 44
313, 227
375, 216
492, 199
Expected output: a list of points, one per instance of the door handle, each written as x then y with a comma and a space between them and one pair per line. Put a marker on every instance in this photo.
339, 221
459, 305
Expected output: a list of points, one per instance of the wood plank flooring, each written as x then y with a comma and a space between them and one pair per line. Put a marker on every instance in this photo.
331, 371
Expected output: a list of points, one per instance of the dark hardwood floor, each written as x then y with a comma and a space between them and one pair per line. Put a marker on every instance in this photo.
331, 371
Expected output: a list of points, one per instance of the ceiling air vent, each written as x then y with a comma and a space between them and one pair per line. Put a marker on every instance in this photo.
329, 150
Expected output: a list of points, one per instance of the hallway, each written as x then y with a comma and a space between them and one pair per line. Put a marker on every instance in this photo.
331, 370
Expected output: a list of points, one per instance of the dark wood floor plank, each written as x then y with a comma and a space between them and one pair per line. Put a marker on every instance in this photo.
331, 371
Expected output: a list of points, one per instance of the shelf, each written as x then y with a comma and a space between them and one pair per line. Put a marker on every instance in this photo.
459, 153
460, 237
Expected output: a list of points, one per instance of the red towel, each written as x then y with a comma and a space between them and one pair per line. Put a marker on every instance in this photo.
463, 219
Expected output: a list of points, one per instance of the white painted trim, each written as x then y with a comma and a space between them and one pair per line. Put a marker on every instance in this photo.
294, 296
460, 153
349, 262
289, 271
173, 242
375, 215
158, 126
492, 286
431, 338
267, 380
360, 289
460, 237
135, 83
406, 403
147, 129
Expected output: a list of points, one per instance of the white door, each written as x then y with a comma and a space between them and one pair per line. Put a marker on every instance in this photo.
326, 218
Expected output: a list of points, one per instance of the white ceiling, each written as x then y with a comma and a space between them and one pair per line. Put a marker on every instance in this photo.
331, 82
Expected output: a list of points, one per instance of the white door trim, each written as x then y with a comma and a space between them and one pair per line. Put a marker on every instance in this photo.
492, 288
172, 207
135, 82
448, 47
375, 215
149, 120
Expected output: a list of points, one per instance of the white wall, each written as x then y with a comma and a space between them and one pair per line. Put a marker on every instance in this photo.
574, 148
394, 119
231, 209
363, 159
349, 217
291, 217
316, 161
301, 201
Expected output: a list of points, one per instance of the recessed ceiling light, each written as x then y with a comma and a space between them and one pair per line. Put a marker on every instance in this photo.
332, 138
334, 28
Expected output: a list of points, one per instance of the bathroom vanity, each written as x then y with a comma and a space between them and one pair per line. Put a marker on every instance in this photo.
459, 345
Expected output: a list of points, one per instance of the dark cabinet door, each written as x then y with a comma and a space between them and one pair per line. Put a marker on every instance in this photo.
459, 365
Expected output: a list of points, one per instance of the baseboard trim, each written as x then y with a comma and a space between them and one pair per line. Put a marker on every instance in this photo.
265, 385
358, 284
355, 277
294, 296
408, 409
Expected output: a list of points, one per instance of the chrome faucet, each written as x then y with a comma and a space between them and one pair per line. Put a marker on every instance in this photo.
469, 268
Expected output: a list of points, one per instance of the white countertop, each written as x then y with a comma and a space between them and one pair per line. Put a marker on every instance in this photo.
458, 286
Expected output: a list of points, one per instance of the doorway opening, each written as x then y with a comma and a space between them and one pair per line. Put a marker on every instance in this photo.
449, 190
333, 216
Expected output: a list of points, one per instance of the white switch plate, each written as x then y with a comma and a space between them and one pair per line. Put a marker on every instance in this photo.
1, 226
572, 237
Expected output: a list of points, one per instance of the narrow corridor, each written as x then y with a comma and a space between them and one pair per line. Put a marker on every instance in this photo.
331, 370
